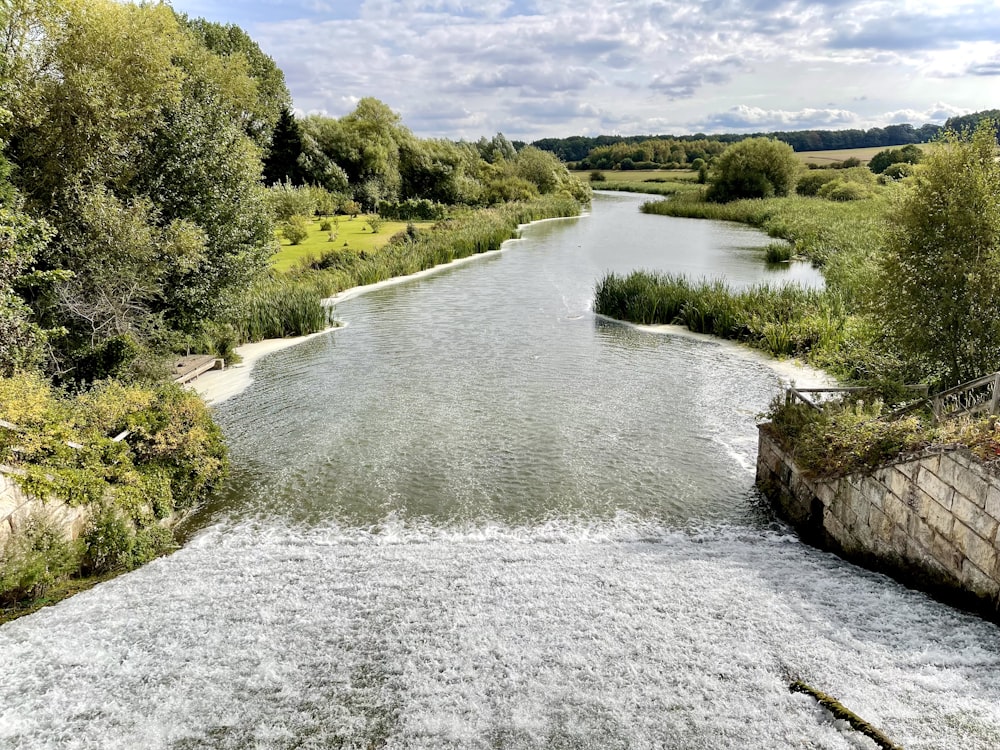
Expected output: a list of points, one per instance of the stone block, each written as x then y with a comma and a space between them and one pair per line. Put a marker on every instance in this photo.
992, 505
834, 527
948, 468
899, 541
979, 582
921, 532
976, 519
935, 515
897, 482
879, 524
972, 483
982, 553
896, 510
940, 490
826, 491
944, 552
874, 491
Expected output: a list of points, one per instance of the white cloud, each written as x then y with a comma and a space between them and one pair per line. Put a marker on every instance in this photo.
536, 68
743, 118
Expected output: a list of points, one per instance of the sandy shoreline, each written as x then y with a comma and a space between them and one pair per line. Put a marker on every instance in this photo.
790, 371
216, 386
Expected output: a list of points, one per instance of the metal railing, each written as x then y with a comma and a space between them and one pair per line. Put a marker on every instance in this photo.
978, 396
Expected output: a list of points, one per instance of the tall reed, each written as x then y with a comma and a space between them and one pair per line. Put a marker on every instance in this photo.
782, 320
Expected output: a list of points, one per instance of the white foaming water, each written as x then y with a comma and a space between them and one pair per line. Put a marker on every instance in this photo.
610, 634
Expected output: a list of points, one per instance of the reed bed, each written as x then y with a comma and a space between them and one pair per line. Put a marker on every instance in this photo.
782, 320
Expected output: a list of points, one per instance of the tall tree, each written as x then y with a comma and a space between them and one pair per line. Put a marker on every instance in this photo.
940, 288
282, 161
270, 98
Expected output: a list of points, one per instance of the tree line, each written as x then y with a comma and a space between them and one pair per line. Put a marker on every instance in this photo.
608, 151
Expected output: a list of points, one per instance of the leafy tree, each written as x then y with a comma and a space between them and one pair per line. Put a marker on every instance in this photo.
942, 262
753, 168
21, 239
295, 229
269, 99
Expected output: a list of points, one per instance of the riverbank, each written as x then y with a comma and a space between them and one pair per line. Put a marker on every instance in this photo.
791, 371
217, 386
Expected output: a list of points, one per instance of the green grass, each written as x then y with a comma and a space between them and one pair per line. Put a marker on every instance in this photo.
355, 232
653, 181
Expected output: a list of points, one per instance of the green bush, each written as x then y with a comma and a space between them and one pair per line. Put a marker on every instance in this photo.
286, 200
34, 558
326, 225
295, 229
843, 190
753, 168
597, 176
810, 183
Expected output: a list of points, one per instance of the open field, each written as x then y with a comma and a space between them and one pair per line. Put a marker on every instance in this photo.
354, 234
825, 158
638, 176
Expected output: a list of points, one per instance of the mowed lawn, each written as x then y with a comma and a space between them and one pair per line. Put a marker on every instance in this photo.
351, 234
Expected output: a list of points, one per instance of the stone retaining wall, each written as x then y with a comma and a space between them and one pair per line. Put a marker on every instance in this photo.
16, 507
930, 520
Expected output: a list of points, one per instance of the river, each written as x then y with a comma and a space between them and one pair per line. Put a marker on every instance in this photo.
481, 517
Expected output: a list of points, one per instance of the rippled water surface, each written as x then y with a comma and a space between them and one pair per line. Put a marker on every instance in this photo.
480, 517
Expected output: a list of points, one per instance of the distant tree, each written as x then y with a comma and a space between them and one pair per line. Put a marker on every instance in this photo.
886, 158
942, 262
753, 168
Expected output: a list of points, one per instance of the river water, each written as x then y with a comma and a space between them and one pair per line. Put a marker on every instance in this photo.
481, 517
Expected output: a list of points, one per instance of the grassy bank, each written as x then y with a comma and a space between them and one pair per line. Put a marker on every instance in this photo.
354, 233
843, 238
289, 303
664, 182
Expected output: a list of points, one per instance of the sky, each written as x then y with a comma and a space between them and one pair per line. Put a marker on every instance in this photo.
555, 68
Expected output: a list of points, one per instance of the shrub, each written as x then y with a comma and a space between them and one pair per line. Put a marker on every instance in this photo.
296, 229
326, 225
34, 558
753, 168
375, 223
843, 190
412, 209
286, 200
810, 183
898, 171
597, 176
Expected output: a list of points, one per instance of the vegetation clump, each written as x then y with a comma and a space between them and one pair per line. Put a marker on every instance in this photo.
72, 448
754, 168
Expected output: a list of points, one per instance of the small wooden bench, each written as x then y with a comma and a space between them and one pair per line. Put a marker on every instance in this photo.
190, 367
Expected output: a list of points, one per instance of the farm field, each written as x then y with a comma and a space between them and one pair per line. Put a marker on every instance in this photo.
825, 158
